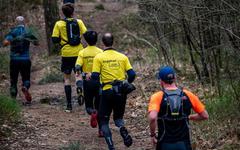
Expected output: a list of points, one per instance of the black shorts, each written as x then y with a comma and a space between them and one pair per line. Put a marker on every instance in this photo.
68, 64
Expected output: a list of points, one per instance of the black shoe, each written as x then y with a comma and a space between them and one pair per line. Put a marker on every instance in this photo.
69, 108
126, 137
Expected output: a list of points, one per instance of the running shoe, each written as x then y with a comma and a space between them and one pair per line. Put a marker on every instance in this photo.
93, 120
27, 95
126, 137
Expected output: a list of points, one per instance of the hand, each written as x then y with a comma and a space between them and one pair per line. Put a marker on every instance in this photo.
77, 74
77, 68
6, 43
88, 76
154, 140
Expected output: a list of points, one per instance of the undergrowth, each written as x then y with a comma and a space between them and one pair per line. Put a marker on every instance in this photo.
52, 74
4, 61
10, 110
74, 146
51, 77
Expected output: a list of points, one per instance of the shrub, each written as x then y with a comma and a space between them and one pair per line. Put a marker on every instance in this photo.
51, 77
9, 110
4, 61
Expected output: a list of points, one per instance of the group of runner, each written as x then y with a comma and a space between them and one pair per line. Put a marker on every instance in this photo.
103, 80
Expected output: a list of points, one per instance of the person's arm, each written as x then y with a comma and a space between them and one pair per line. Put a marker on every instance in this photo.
152, 117
8, 39
197, 106
131, 75
199, 116
130, 72
153, 109
83, 30
79, 63
56, 34
96, 69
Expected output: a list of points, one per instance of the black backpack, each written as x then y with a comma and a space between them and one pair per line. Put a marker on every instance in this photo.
73, 32
174, 108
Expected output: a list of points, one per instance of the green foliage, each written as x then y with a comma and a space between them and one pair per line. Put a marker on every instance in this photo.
223, 107
9, 111
74, 146
51, 77
4, 61
99, 7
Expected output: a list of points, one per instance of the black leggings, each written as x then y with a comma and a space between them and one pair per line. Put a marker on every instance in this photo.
24, 68
91, 95
111, 102
174, 146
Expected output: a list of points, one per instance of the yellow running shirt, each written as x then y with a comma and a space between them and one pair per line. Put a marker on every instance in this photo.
85, 58
111, 65
60, 31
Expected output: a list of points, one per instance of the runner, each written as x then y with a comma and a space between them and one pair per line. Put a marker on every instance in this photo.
90, 87
112, 66
170, 110
68, 33
19, 38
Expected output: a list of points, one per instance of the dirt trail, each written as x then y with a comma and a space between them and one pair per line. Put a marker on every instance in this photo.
46, 126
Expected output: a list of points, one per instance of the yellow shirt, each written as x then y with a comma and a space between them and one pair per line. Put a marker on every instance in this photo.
111, 65
60, 31
85, 58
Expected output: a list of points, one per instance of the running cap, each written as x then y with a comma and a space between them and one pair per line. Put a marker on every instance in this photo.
166, 73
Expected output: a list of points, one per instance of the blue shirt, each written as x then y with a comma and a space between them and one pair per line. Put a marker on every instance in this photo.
19, 43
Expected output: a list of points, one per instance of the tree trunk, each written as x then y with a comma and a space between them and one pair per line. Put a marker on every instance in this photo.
51, 14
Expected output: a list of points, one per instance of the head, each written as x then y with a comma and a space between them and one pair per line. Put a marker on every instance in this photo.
167, 75
68, 10
91, 37
20, 20
107, 39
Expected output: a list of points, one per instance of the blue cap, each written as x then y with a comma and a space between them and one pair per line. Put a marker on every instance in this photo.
166, 73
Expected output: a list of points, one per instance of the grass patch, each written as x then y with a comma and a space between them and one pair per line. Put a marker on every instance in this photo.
74, 146
4, 61
51, 77
223, 107
223, 124
10, 110
52, 72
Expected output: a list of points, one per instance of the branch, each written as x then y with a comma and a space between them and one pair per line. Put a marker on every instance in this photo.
143, 40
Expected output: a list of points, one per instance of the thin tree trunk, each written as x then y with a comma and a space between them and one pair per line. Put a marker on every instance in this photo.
51, 14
